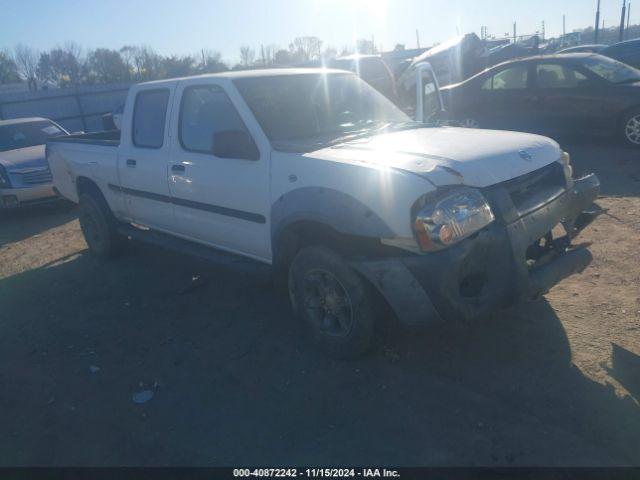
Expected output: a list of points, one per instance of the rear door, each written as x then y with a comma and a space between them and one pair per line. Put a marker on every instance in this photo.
223, 202
567, 99
144, 156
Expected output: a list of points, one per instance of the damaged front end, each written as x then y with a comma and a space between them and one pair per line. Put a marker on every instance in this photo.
520, 255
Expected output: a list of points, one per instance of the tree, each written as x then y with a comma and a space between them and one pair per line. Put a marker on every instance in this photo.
211, 62
26, 61
304, 49
147, 63
62, 66
175, 66
8, 69
106, 66
366, 47
247, 55
282, 57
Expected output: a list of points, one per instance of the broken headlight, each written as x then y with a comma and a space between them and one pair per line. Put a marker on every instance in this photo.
451, 218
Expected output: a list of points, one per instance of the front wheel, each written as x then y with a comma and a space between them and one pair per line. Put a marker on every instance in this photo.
630, 129
333, 301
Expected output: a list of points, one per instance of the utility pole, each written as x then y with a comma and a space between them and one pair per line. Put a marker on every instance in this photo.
628, 16
597, 30
417, 38
622, 19
515, 38
564, 28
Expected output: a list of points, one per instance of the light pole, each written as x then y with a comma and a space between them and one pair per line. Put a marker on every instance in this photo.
597, 30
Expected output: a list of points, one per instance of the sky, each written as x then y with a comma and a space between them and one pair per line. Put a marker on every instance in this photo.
187, 26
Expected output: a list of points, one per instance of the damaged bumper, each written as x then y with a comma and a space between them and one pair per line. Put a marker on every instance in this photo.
516, 257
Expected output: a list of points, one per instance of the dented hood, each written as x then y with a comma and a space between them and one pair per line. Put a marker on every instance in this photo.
447, 156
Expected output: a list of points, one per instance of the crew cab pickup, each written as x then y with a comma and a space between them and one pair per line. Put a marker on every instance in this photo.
350, 201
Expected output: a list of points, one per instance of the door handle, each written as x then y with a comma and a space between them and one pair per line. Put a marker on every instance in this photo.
131, 162
178, 168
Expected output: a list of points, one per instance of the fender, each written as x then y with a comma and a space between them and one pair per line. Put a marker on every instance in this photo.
333, 208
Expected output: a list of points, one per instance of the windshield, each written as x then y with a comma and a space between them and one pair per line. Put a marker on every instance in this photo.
611, 70
312, 106
27, 134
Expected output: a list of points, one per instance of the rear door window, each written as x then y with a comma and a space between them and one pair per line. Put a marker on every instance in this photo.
554, 75
149, 117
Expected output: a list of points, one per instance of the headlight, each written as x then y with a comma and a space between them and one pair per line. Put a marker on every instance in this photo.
4, 178
565, 161
451, 218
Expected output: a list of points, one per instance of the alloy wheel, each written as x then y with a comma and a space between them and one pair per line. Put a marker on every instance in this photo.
632, 130
327, 303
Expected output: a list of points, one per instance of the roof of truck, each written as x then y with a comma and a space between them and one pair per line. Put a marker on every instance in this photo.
15, 121
264, 72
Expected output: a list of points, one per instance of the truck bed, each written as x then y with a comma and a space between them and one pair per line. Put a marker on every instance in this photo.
107, 138
83, 155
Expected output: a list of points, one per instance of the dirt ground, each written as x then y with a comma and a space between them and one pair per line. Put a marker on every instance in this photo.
554, 382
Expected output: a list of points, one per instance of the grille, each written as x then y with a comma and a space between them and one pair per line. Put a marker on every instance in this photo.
534, 189
37, 176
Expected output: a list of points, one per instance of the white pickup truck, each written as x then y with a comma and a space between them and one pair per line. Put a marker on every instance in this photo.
316, 174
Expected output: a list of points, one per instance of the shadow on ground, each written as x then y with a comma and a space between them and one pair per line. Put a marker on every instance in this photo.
617, 167
234, 384
19, 224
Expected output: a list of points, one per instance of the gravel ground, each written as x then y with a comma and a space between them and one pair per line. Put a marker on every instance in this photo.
224, 378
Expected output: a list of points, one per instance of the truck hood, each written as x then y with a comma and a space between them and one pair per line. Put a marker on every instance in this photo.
447, 156
23, 158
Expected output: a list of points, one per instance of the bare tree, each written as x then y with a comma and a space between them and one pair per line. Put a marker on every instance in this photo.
8, 68
26, 60
211, 62
247, 55
306, 48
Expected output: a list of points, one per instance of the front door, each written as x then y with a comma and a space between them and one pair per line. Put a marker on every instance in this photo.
502, 99
220, 201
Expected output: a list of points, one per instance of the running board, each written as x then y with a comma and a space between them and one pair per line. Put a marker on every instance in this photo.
180, 245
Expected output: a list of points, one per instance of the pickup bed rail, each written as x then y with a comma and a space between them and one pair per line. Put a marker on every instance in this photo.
107, 138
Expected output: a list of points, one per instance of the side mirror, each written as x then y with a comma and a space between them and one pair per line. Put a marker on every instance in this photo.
235, 144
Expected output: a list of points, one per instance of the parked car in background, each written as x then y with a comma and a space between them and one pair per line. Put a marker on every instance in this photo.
25, 177
594, 48
320, 176
576, 93
372, 69
627, 52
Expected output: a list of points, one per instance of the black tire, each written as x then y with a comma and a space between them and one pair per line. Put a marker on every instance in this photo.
629, 128
335, 305
98, 226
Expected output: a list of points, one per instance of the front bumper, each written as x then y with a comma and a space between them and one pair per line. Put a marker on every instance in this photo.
493, 268
11, 198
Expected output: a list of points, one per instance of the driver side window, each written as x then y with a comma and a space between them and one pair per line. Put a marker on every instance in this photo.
205, 111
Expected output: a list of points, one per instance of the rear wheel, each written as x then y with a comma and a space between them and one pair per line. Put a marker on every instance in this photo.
99, 226
630, 129
334, 303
